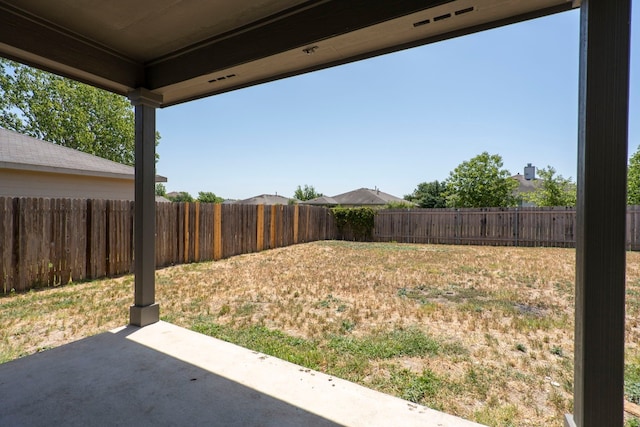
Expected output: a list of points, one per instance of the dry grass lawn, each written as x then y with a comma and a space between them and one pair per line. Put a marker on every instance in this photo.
485, 333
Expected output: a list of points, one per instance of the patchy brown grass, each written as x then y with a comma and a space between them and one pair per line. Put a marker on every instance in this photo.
501, 318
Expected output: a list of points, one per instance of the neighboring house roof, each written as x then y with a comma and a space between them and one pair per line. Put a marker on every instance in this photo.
366, 196
524, 185
22, 152
162, 199
265, 199
321, 201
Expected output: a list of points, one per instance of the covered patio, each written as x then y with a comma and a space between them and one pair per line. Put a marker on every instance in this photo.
166, 375
161, 53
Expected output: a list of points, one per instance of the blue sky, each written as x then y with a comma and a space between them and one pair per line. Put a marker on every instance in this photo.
392, 121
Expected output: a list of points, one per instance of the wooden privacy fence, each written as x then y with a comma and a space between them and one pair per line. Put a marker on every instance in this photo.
47, 242
490, 226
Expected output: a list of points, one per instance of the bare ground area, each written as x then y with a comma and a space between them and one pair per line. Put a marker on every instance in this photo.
485, 333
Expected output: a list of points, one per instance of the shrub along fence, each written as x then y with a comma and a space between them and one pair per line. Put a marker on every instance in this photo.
47, 242
490, 226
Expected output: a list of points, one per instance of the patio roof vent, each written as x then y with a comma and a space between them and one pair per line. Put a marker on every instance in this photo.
462, 11
444, 16
229, 76
441, 17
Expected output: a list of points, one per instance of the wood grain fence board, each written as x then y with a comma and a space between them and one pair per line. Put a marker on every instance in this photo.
206, 232
75, 253
196, 234
179, 256
96, 254
78, 238
272, 227
192, 232
120, 237
187, 233
163, 226
260, 228
129, 209
267, 227
217, 232
252, 221
633, 228
7, 244
33, 243
228, 237
113, 227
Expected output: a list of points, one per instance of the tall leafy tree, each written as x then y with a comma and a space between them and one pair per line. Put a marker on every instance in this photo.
429, 195
161, 190
633, 179
182, 196
306, 193
66, 112
552, 189
481, 182
209, 197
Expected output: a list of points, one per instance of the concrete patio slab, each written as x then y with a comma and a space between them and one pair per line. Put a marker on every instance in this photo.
164, 375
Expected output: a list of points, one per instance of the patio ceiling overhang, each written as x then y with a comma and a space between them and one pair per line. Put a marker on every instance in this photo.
184, 50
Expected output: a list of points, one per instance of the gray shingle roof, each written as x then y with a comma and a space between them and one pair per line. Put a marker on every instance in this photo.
23, 152
524, 185
366, 196
265, 199
321, 201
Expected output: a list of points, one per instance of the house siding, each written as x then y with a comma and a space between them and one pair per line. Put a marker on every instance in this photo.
14, 183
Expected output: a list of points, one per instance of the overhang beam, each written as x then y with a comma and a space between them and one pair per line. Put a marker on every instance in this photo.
41, 44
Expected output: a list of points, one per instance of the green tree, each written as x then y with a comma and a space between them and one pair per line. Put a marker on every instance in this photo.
552, 189
481, 182
182, 196
398, 205
633, 179
209, 197
306, 193
161, 190
429, 195
66, 112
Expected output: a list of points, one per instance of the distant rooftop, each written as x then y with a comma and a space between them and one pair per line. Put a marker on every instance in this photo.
359, 197
525, 185
321, 201
265, 199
